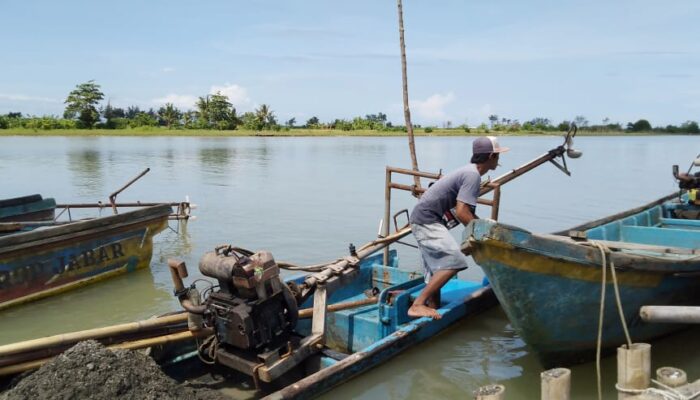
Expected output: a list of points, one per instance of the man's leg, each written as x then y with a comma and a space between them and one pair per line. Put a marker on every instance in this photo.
437, 281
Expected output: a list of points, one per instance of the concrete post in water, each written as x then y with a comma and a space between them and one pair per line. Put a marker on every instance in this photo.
633, 368
490, 392
671, 376
556, 384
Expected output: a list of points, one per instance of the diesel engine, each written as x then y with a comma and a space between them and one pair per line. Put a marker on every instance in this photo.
252, 310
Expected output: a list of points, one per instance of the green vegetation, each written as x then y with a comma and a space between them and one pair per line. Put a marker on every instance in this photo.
82, 102
215, 116
164, 131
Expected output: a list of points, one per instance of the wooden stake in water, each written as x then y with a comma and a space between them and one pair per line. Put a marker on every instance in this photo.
671, 376
633, 369
490, 392
556, 384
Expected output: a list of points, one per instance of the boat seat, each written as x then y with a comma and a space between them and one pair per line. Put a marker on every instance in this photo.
688, 238
692, 224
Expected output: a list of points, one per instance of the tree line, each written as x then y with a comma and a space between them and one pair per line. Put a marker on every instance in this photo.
215, 111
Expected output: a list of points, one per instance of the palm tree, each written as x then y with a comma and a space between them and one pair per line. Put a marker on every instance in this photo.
169, 114
265, 117
203, 109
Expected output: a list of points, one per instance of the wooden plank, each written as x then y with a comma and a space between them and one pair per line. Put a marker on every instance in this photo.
680, 222
615, 245
673, 238
592, 224
15, 201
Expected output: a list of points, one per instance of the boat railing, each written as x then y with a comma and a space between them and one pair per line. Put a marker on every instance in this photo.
182, 209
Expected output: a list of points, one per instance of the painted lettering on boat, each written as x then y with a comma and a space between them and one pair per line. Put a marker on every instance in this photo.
61, 265
89, 258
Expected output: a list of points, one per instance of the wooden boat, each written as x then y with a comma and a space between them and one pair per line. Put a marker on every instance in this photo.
356, 339
54, 257
27, 208
362, 336
550, 285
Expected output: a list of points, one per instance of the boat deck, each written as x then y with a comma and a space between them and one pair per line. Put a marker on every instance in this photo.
657, 226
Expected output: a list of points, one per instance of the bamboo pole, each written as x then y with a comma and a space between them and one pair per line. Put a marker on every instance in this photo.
406, 110
309, 312
556, 384
137, 344
670, 314
671, 376
633, 369
98, 333
490, 392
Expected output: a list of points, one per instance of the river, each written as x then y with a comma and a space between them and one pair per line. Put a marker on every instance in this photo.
305, 200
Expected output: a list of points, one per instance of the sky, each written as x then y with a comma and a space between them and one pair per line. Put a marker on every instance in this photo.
616, 60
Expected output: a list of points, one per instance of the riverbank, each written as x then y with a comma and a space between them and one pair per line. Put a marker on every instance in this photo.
301, 132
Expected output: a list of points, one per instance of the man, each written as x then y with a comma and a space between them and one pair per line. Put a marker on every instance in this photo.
449, 201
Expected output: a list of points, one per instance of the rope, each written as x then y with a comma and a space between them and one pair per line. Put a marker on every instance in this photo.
601, 313
604, 251
664, 391
208, 346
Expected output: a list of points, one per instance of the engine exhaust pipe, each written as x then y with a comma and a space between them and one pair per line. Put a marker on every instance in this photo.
178, 270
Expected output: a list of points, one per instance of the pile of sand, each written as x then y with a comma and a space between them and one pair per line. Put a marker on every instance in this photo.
88, 370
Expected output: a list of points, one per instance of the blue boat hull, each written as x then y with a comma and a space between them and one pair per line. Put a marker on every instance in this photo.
550, 287
370, 335
361, 338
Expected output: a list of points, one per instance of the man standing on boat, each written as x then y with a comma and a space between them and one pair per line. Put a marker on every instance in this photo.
449, 201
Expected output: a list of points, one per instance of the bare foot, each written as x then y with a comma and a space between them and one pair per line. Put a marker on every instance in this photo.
417, 311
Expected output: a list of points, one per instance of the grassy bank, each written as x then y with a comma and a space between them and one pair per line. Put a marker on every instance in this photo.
294, 132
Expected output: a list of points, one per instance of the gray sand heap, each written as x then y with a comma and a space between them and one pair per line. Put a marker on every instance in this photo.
88, 370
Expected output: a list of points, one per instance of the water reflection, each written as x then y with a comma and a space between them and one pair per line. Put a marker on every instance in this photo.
216, 158
86, 165
175, 241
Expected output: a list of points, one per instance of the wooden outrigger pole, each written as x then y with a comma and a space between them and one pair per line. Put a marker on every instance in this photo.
406, 110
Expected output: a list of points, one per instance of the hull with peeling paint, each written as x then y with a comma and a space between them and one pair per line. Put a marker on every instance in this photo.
51, 260
550, 285
361, 338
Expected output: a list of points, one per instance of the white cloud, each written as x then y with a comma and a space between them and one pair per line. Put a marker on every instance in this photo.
476, 116
185, 101
168, 69
21, 97
237, 95
433, 108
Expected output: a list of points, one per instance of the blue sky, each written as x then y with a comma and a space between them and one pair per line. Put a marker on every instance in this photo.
622, 60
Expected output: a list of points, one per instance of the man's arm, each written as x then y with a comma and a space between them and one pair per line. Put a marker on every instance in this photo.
464, 213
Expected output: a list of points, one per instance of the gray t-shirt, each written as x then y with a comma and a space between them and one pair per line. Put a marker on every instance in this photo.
462, 184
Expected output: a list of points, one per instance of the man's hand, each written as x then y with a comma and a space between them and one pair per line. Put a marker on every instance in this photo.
464, 213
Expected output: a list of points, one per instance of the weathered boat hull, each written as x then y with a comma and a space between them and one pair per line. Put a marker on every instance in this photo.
27, 208
51, 260
550, 286
361, 338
